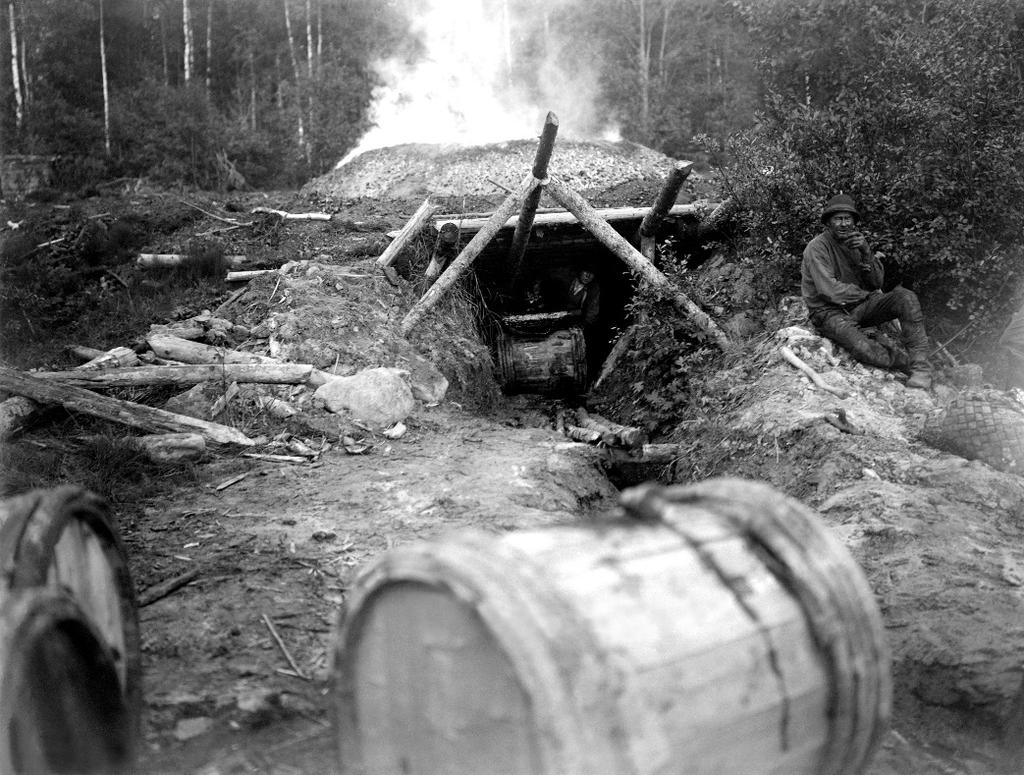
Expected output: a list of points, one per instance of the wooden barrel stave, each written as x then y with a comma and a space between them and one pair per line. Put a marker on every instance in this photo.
61, 705
639, 648
65, 538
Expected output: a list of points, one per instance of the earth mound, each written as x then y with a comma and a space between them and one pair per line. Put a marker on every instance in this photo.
594, 168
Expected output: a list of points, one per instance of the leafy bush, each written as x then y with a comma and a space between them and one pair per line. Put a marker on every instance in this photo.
917, 111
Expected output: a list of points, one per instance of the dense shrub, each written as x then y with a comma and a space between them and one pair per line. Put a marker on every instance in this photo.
917, 111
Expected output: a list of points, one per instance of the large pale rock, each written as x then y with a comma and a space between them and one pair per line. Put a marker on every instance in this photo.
378, 397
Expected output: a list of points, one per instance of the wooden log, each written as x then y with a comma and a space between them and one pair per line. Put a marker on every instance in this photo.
172, 447
619, 349
666, 199
716, 219
165, 588
83, 353
293, 216
524, 225
189, 374
583, 435
166, 260
117, 357
408, 232
447, 239
244, 276
465, 259
673, 636
184, 351
635, 260
60, 704
67, 538
613, 434
470, 223
146, 418
16, 414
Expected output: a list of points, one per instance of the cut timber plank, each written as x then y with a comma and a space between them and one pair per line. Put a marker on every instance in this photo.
146, 418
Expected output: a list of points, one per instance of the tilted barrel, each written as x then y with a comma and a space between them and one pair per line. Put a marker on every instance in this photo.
717, 628
65, 538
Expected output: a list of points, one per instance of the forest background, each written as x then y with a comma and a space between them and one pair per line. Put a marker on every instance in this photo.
915, 107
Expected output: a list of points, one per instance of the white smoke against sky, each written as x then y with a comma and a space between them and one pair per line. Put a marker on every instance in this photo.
461, 90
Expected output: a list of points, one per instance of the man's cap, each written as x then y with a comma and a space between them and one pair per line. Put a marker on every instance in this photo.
839, 204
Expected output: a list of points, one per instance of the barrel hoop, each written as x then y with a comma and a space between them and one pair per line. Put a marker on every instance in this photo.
815, 567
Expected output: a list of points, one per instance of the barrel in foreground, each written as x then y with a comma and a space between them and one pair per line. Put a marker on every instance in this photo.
716, 628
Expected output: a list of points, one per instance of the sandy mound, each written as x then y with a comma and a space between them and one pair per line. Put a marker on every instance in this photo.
412, 170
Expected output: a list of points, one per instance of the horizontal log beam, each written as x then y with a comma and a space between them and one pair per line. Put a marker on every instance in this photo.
190, 374
556, 217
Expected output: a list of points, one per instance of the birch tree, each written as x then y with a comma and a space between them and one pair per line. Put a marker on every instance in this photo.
106, 82
19, 104
188, 63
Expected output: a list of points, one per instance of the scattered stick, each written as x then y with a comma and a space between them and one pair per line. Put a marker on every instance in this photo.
232, 221
811, 374
228, 482
284, 649
504, 188
165, 588
294, 216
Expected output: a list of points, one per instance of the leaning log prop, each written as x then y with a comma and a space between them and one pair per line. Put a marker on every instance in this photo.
128, 413
656, 215
469, 254
412, 227
634, 259
521, 236
718, 627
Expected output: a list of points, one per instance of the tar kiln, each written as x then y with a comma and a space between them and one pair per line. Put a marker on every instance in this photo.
70, 691
718, 628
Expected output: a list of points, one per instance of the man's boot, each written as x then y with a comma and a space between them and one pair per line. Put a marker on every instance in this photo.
920, 378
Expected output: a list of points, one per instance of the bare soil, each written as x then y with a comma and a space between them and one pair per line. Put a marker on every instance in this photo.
939, 538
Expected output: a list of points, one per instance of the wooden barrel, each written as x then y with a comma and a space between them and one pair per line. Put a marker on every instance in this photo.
554, 363
61, 706
65, 538
718, 628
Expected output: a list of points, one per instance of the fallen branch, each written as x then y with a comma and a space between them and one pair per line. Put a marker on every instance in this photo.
612, 434
284, 649
811, 374
117, 357
294, 216
244, 276
165, 588
128, 413
583, 435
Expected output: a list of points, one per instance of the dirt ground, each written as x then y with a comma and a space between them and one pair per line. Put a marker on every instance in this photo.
940, 538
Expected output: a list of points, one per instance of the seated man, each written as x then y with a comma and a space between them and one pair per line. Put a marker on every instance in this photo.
841, 283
